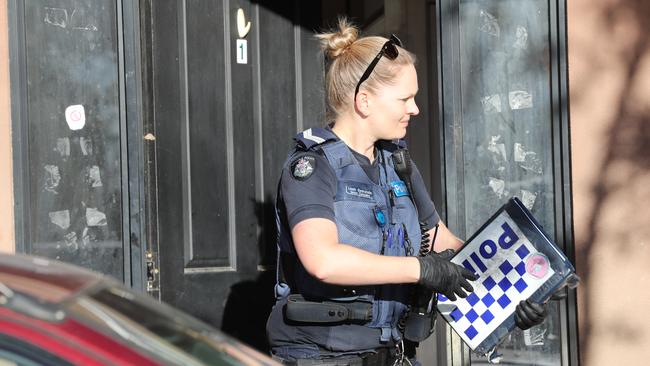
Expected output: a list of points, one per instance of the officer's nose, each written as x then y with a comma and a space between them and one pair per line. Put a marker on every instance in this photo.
412, 108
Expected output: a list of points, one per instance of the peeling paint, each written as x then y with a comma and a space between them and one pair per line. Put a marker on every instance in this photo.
521, 41
527, 159
60, 218
85, 237
70, 240
94, 217
94, 178
52, 178
78, 26
491, 103
499, 149
489, 24
520, 99
498, 186
60, 18
89, 27
86, 146
56, 16
519, 153
528, 198
63, 147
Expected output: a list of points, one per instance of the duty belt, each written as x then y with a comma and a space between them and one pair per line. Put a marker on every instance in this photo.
300, 310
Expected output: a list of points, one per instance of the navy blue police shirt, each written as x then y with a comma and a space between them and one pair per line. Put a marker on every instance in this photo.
312, 195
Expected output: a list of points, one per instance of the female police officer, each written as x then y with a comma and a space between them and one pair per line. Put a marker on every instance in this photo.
349, 214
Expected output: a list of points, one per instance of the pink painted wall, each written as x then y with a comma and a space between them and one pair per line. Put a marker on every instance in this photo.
609, 80
6, 173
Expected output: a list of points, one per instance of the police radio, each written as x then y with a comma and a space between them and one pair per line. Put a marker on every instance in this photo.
402, 164
403, 168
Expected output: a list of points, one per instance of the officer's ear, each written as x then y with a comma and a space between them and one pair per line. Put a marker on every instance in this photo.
362, 103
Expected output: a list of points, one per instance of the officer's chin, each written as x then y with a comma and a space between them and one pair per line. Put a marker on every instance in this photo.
399, 134
396, 134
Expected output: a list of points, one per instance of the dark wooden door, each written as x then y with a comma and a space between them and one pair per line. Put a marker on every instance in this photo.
222, 130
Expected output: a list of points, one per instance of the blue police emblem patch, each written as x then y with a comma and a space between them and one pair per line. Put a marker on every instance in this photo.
399, 188
303, 167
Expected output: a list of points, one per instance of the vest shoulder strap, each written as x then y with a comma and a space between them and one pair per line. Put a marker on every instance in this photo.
312, 137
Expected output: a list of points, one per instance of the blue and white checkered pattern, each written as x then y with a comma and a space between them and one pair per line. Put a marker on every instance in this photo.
498, 290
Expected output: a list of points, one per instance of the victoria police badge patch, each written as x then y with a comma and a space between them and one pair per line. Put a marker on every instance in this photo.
303, 167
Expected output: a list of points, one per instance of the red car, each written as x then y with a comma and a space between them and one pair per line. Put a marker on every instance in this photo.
53, 313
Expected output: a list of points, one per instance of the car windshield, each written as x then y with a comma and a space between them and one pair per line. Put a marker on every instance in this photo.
158, 328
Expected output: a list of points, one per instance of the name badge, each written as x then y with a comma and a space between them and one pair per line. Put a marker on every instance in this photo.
399, 188
355, 191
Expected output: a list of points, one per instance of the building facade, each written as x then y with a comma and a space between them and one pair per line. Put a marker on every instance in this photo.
143, 139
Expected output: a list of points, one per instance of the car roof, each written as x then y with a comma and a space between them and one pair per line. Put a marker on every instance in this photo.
44, 279
44, 289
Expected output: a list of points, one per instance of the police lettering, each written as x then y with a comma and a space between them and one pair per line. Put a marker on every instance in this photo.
488, 249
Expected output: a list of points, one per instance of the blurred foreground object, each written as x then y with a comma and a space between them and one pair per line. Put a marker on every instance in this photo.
53, 313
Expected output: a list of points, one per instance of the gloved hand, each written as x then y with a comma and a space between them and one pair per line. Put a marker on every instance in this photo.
444, 277
447, 254
528, 314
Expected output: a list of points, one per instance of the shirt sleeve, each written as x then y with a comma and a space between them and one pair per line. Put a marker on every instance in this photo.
310, 196
426, 209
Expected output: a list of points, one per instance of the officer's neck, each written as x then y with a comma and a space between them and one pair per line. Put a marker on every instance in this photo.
357, 140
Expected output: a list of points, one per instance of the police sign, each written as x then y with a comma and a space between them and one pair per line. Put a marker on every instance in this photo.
515, 260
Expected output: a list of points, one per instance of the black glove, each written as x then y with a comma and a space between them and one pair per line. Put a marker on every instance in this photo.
444, 277
447, 254
528, 314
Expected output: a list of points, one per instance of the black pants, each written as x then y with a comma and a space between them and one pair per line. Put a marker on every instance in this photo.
383, 357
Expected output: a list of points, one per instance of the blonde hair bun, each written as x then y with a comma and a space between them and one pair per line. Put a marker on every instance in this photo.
336, 42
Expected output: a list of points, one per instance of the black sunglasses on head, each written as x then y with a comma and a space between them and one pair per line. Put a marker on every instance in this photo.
389, 49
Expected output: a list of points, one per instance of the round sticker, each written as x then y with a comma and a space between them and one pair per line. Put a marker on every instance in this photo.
75, 116
537, 265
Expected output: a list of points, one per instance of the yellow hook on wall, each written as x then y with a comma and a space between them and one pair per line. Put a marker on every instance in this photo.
242, 27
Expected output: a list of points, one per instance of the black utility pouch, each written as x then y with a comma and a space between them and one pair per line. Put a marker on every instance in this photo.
300, 310
421, 321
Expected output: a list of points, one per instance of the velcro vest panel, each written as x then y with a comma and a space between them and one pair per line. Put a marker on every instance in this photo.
357, 202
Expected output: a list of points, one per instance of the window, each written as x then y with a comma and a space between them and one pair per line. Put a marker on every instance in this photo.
16, 352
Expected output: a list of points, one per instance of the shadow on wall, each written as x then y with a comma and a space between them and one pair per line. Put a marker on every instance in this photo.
627, 142
249, 302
